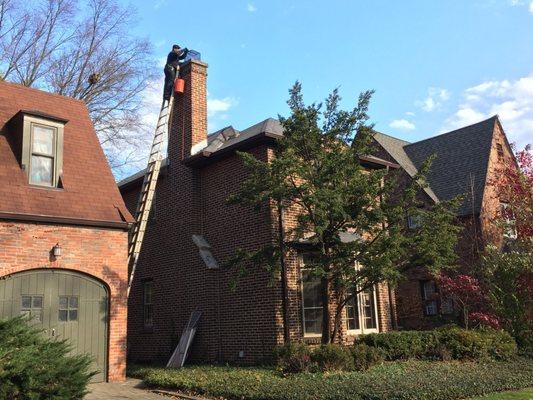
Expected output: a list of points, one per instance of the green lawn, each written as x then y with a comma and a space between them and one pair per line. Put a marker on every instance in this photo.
409, 380
526, 394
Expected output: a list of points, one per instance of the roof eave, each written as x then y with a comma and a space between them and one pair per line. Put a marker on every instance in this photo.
123, 225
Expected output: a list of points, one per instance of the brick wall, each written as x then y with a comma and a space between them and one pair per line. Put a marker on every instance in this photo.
98, 252
238, 326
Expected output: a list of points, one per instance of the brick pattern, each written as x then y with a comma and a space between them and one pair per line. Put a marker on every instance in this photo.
478, 230
100, 253
237, 326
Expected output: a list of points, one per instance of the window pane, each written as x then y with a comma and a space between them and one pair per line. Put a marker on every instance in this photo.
431, 307
43, 140
41, 170
352, 314
26, 301
311, 289
63, 302
429, 290
73, 315
368, 310
148, 319
313, 321
73, 302
37, 302
63, 315
148, 293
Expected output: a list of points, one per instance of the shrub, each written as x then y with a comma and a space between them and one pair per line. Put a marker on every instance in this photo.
444, 344
365, 356
293, 357
477, 344
333, 357
402, 345
409, 380
33, 367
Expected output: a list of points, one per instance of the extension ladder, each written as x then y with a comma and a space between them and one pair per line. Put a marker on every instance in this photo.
147, 193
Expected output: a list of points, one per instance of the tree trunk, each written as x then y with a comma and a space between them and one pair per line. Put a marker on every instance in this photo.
337, 321
326, 331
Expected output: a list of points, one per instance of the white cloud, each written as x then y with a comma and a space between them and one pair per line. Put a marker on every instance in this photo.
217, 110
436, 96
520, 3
159, 3
250, 7
410, 113
402, 124
217, 106
511, 100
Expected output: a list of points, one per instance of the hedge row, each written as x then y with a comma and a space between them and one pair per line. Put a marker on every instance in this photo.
299, 357
447, 343
409, 380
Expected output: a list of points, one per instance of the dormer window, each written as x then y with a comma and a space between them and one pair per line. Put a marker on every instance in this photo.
38, 140
43, 155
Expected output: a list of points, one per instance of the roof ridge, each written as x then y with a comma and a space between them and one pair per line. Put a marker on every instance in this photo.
495, 117
62, 96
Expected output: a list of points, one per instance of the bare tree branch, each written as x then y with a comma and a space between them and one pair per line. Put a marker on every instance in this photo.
56, 46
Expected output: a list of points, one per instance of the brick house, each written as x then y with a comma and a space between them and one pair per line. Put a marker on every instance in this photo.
465, 164
172, 280
63, 227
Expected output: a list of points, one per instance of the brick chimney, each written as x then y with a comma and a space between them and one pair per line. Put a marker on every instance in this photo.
188, 128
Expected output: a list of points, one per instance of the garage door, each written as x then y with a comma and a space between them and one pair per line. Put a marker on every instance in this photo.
66, 305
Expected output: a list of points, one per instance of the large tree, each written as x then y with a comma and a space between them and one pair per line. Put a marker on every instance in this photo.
56, 45
317, 174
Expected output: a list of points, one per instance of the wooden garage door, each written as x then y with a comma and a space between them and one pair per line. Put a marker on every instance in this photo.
66, 305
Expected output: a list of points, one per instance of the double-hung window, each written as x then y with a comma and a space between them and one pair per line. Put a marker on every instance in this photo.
311, 298
43, 155
39, 144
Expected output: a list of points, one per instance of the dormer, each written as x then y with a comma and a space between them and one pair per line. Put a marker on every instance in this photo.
37, 141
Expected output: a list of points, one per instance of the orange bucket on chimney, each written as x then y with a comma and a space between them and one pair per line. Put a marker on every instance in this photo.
179, 85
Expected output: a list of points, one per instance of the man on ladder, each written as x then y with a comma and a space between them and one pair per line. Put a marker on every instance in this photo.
174, 60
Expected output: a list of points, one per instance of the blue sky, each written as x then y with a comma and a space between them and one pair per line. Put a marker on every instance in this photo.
435, 65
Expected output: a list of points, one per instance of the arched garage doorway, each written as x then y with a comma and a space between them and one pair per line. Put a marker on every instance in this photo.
66, 304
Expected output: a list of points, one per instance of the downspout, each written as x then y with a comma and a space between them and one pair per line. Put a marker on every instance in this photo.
284, 287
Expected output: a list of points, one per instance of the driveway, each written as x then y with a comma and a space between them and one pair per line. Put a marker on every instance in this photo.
129, 390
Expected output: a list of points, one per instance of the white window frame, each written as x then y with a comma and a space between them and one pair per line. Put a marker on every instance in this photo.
360, 314
52, 156
27, 124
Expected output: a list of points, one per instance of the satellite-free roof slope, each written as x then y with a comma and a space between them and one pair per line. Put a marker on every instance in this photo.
89, 192
460, 166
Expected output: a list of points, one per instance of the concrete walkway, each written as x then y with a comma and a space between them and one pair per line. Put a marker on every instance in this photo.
129, 390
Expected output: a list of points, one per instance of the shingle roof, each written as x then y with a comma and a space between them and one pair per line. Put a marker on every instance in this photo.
395, 147
460, 166
229, 137
89, 190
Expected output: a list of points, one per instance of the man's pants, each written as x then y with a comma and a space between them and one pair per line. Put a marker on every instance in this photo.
170, 76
